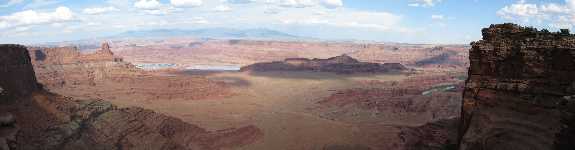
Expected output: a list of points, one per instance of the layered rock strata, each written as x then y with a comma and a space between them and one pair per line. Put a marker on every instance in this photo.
71, 55
521, 90
103, 75
49, 121
33, 118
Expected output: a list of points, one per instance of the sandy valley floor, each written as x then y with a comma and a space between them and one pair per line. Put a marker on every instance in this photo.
282, 105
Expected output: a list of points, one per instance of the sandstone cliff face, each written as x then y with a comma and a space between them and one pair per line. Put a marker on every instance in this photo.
37, 119
102, 75
71, 55
58, 67
521, 91
339, 64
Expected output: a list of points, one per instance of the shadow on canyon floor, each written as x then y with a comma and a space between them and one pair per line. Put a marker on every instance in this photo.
312, 75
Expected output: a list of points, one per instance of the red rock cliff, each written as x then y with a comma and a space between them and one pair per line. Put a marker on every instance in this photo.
70, 55
521, 91
33, 118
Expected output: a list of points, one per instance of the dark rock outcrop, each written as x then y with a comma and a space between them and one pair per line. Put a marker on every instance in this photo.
8, 131
520, 91
16, 72
340, 64
37, 119
438, 135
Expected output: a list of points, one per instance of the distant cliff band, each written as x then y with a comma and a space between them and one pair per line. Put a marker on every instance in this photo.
340, 64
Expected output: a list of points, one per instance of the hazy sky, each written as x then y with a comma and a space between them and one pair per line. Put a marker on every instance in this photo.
413, 21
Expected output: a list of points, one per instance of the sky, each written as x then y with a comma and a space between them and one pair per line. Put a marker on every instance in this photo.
408, 21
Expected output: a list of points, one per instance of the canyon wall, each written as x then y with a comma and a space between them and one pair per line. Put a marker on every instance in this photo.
521, 90
71, 55
185, 52
101, 74
57, 67
16, 72
37, 119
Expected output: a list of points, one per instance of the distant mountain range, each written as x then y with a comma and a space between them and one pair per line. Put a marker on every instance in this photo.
224, 33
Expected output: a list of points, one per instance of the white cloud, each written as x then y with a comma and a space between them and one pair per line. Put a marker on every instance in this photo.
11, 3
381, 21
331, 3
240, 1
164, 10
31, 17
563, 22
424, 3
39, 4
315, 16
271, 11
100, 10
553, 8
437, 17
555, 15
154, 7
21, 29
222, 8
186, 3
297, 3
147, 4
198, 20
570, 3
4, 24
519, 10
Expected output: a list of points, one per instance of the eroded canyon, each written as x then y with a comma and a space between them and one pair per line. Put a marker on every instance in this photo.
195, 94
275, 109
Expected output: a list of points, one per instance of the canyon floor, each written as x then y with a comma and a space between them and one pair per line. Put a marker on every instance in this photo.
280, 103
291, 110
285, 106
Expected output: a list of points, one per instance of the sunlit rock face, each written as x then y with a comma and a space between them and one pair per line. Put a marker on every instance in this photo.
520, 90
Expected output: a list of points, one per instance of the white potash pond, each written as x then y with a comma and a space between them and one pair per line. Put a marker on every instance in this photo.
214, 67
155, 66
